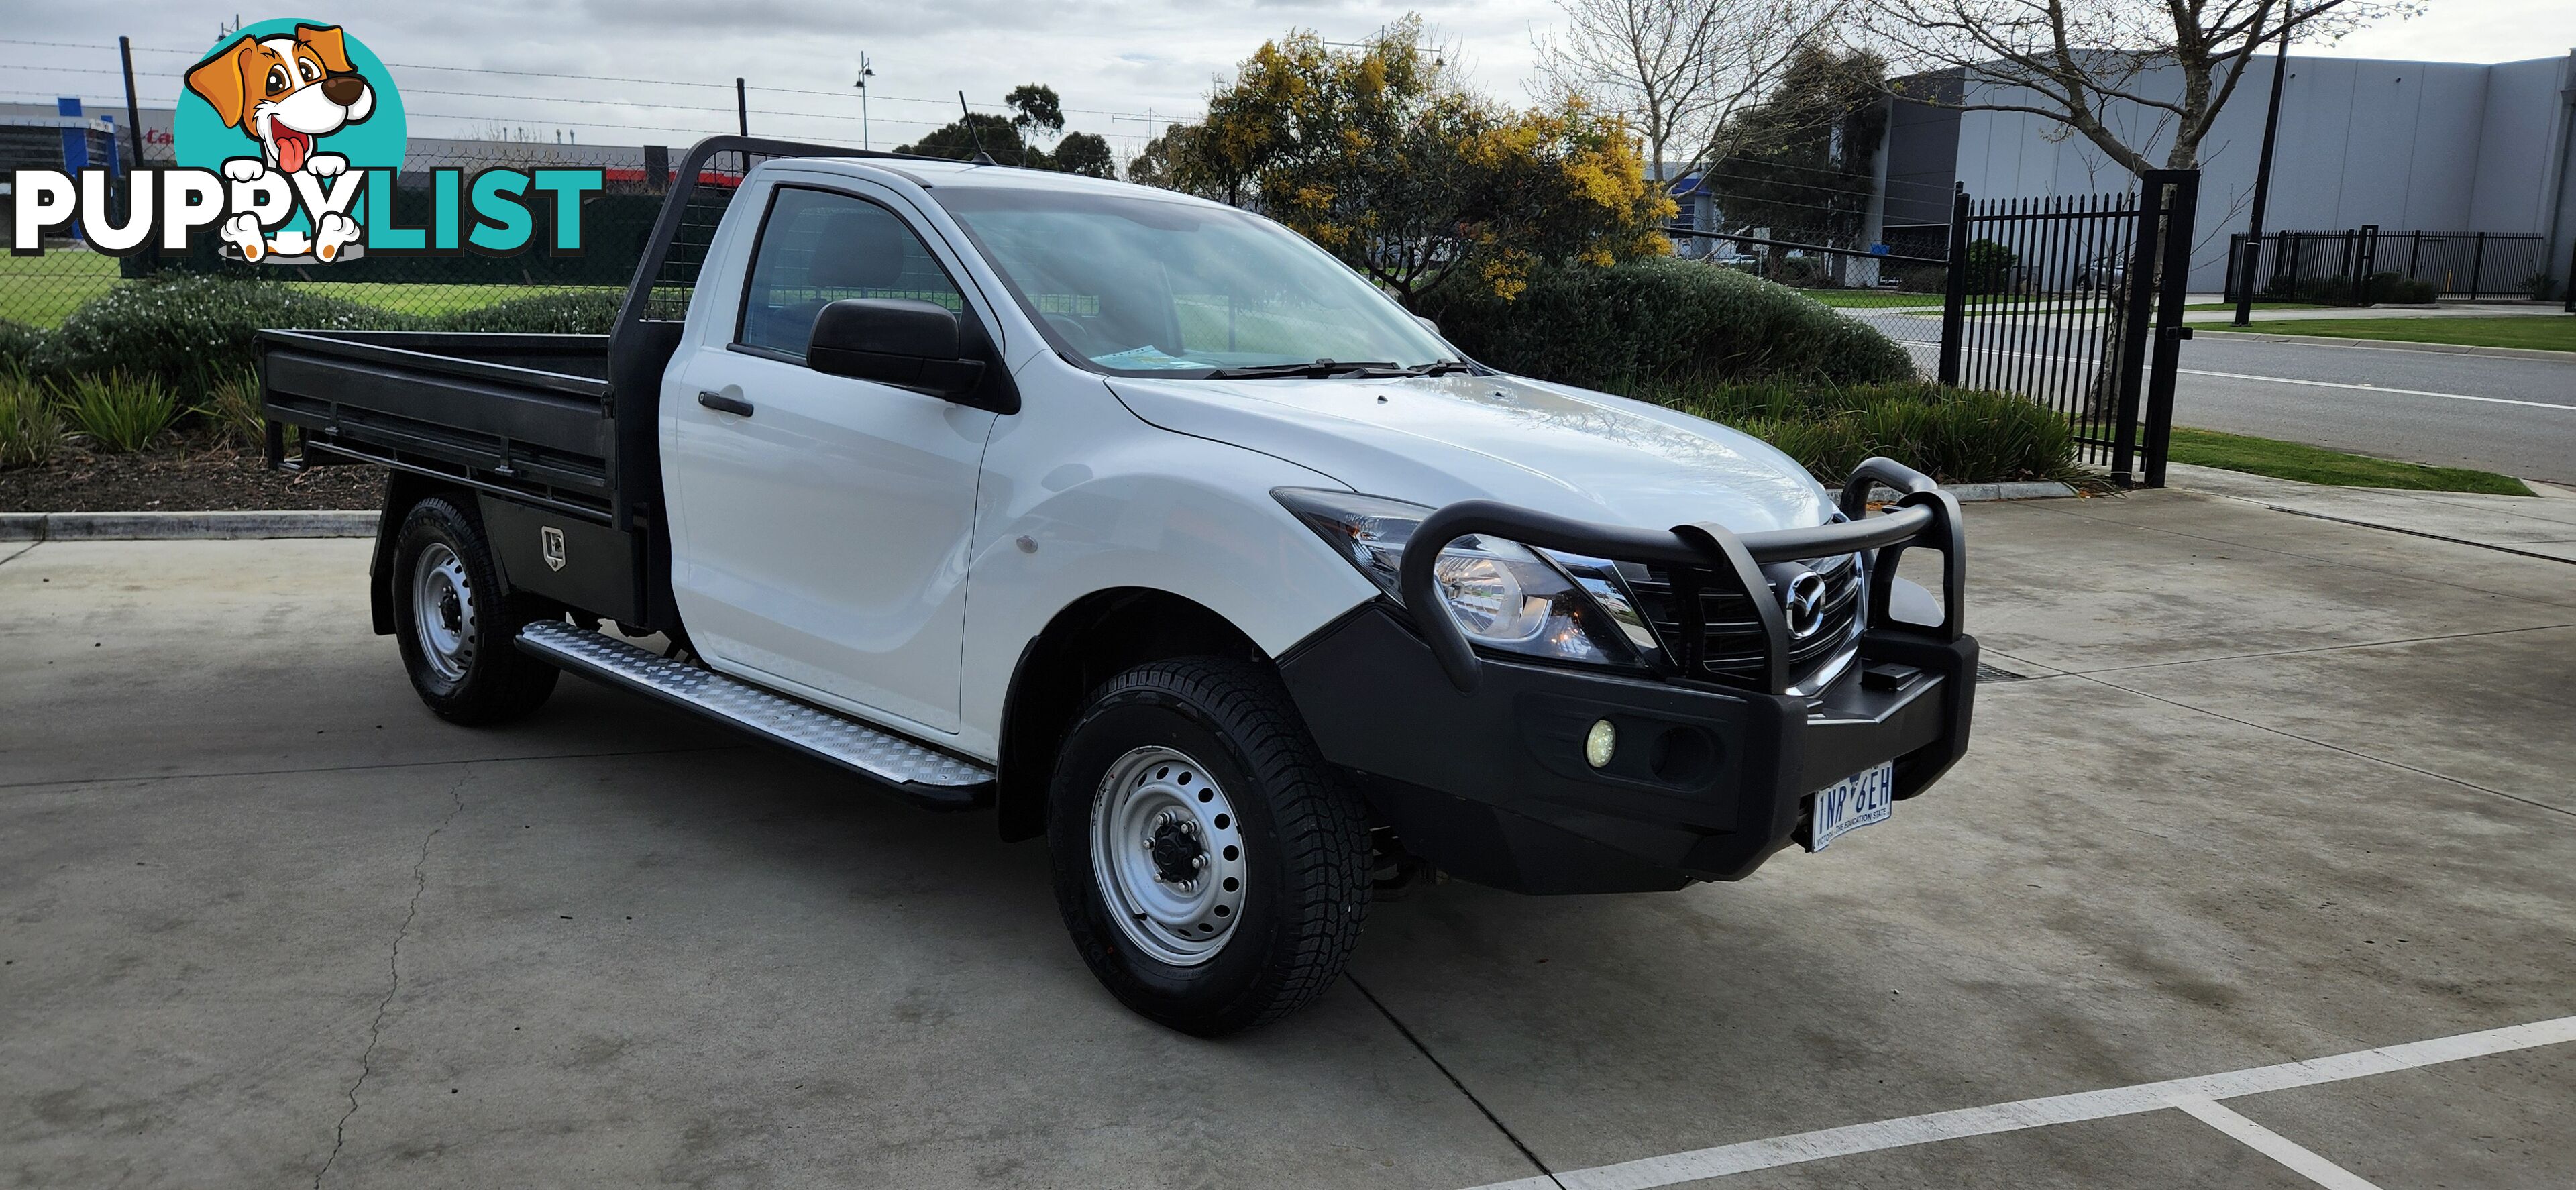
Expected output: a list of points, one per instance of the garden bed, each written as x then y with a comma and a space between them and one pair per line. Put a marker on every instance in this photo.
190, 476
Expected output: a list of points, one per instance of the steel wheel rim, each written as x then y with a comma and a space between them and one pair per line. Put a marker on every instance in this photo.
1155, 815
442, 612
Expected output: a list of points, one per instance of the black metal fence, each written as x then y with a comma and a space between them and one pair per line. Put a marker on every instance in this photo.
2073, 301
2076, 302
2369, 264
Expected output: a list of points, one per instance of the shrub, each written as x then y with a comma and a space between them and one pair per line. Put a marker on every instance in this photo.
1990, 267
1665, 319
2392, 287
118, 412
2336, 290
30, 428
1797, 272
232, 408
1954, 435
571, 312
18, 345
191, 332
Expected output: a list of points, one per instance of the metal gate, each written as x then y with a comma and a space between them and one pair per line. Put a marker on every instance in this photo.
2076, 302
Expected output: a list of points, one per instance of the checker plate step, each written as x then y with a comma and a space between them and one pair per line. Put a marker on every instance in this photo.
922, 773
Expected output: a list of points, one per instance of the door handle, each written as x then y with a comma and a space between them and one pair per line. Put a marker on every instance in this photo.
724, 404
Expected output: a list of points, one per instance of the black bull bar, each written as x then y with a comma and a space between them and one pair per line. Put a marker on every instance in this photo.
1923, 516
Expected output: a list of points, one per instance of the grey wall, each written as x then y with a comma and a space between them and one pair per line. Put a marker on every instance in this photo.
1922, 158
2406, 145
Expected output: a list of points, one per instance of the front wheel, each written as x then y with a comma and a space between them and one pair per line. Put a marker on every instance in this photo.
1212, 870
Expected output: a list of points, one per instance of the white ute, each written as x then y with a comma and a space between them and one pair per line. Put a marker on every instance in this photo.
1147, 524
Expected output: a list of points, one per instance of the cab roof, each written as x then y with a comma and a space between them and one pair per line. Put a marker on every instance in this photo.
937, 173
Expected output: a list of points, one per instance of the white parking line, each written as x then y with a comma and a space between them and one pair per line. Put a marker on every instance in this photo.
2272, 1144
2373, 388
1674, 1168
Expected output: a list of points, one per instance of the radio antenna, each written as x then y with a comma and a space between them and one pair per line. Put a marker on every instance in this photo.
966, 116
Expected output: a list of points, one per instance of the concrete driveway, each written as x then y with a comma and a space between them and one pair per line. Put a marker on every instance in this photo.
2263, 790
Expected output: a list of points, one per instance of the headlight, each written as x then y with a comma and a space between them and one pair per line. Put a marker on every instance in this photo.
1503, 594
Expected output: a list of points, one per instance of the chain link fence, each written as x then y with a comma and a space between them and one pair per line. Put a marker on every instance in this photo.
1895, 287
42, 291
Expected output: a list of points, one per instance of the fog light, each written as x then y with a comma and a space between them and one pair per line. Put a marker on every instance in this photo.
1599, 742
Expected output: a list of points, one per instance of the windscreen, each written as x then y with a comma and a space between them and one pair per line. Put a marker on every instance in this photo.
1146, 286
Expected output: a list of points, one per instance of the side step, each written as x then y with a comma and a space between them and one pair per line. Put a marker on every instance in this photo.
915, 771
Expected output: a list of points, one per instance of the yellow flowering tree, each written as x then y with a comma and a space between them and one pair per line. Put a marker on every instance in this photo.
1380, 156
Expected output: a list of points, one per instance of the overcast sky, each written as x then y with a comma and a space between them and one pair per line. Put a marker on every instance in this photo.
1114, 61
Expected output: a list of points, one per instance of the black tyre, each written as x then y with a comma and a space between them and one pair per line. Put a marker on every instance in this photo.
1212, 870
457, 631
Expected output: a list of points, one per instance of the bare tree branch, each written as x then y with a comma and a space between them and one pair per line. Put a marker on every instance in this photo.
1679, 70
2084, 59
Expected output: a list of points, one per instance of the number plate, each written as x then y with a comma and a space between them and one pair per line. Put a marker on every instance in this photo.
1855, 801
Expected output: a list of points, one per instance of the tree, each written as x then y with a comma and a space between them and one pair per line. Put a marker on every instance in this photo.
962, 138
1085, 153
1039, 112
1036, 113
1801, 165
1381, 157
2077, 61
1679, 70
1152, 165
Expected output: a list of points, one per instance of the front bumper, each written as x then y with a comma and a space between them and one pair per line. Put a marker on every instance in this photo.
1476, 760
1491, 784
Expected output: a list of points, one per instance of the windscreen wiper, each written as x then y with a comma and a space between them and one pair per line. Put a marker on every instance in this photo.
1440, 368
1318, 370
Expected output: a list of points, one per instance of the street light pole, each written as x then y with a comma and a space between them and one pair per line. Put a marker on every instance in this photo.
2262, 186
866, 72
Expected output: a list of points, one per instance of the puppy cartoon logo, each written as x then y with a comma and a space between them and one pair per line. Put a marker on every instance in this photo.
292, 98
284, 91
290, 142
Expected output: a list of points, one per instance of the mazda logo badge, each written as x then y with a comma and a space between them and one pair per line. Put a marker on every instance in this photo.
1803, 597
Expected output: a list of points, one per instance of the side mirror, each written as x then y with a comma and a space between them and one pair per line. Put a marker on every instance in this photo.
1429, 325
898, 341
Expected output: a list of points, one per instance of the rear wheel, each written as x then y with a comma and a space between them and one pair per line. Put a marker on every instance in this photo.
1211, 869
456, 629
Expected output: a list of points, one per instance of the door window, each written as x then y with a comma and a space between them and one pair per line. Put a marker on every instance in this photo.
818, 247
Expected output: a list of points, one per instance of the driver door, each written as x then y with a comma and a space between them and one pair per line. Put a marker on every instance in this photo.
824, 522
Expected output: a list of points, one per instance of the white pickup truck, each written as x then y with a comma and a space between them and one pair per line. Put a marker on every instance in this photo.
1147, 524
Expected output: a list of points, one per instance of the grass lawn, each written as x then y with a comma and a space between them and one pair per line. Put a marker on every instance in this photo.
2309, 464
43, 290
2543, 332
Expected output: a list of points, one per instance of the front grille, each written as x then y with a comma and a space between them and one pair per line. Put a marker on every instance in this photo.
1731, 645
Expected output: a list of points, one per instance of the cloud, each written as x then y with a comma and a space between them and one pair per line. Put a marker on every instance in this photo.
1112, 60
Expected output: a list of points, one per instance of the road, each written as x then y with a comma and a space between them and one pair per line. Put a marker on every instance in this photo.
2516, 416
2510, 415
